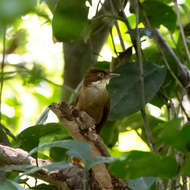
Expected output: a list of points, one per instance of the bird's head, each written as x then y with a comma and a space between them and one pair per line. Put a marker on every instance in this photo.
98, 78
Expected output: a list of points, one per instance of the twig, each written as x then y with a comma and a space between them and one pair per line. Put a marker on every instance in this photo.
181, 29
43, 116
182, 107
139, 56
113, 42
2, 69
171, 72
172, 38
117, 26
8, 132
99, 3
53, 83
162, 44
125, 20
73, 95
119, 34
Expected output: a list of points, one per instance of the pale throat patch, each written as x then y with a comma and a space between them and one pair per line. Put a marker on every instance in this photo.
101, 84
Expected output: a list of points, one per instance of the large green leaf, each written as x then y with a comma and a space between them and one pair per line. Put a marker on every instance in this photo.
126, 90
12, 9
173, 136
139, 164
160, 13
70, 19
29, 138
77, 149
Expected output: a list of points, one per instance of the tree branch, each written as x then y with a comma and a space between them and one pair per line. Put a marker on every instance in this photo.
74, 122
181, 29
69, 177
82, 128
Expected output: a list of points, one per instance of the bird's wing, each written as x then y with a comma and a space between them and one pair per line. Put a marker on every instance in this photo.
104, 116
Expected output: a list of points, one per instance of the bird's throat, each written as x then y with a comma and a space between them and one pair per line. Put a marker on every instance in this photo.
100, 84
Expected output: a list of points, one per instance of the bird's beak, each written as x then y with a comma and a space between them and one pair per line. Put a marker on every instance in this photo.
113, 75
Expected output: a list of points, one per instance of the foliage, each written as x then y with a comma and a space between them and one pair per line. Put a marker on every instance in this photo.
165, 87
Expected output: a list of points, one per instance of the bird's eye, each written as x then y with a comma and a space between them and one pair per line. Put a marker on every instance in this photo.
101, 75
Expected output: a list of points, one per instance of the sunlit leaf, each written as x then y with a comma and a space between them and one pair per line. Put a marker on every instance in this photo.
70, 19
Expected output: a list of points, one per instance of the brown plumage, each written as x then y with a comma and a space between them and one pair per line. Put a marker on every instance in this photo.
94, 97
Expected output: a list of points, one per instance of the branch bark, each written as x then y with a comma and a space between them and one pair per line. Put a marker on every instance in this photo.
71, 119
69, 178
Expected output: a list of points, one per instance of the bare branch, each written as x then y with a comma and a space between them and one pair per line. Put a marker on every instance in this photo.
69, 177
139, 56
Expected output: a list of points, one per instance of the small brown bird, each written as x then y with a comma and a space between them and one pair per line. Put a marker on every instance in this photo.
94, 97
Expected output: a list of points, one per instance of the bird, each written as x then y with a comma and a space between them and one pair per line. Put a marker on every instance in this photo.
94, 98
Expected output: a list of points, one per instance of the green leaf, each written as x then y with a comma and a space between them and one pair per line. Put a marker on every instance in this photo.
29, 138
125, 90
45, 187
51, 167
98, 160
160, 13
102, 65
33, 76
142, 183
172, 135
185, 170
10, 185
70, 20
79, 149
141, 164
11, 9
110, 133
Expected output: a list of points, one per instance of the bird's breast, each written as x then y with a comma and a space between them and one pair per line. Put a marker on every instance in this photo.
93, 100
